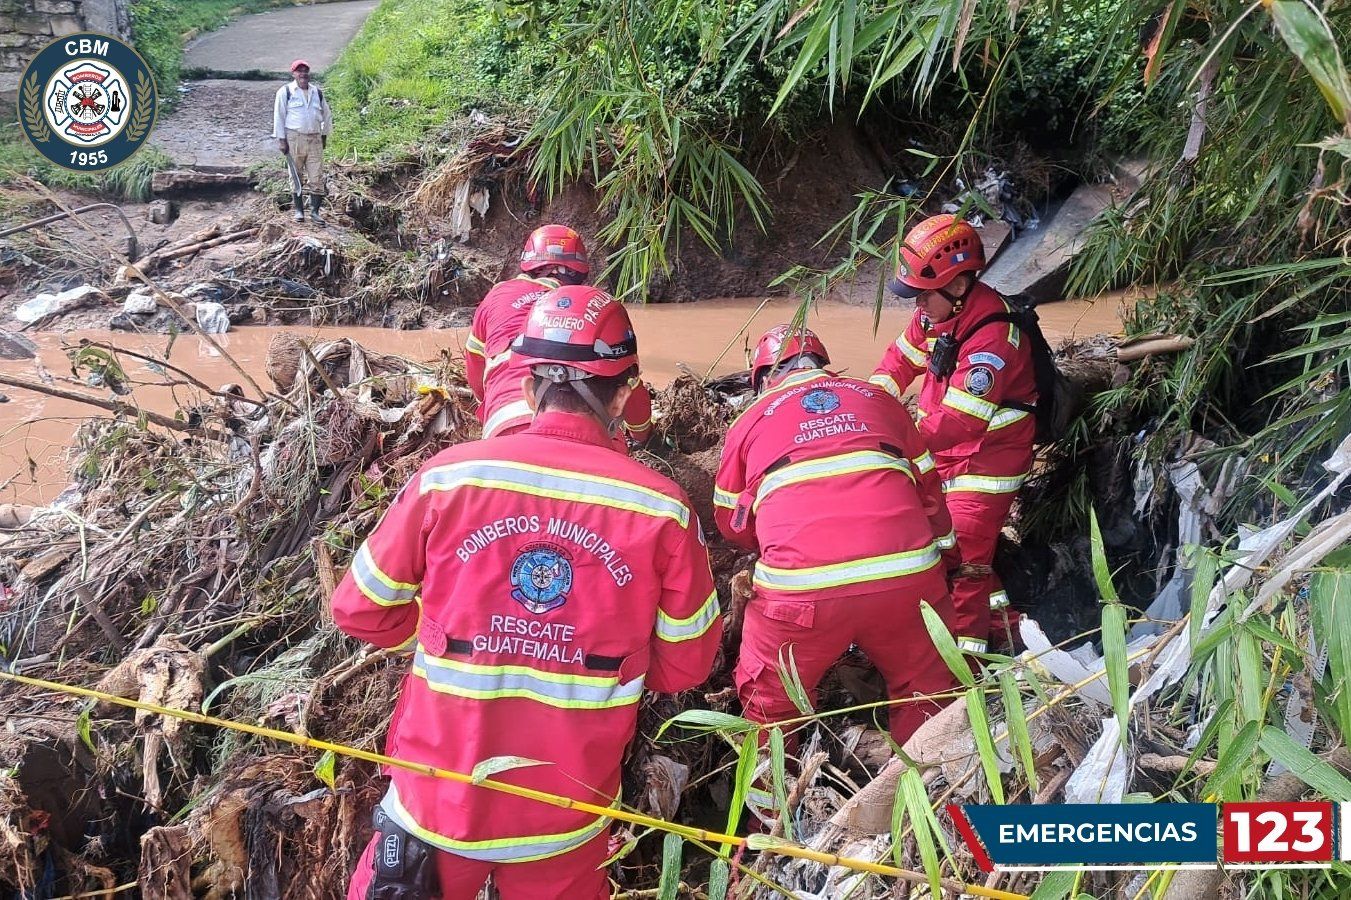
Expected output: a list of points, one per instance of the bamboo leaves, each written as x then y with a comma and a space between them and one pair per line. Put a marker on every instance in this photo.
1307, 33
1113, 631
946, 646
1304, 765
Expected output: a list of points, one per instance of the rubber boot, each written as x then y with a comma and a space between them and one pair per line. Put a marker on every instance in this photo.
299, 208
315, 201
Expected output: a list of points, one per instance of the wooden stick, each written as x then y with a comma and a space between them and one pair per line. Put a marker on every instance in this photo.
161, 256
113, 406
1138, 350
192, 380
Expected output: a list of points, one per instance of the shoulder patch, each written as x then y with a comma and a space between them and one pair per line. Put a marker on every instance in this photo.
987, 359
979, 380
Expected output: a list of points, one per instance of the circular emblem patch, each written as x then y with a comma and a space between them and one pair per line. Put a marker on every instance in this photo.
979, 380
821, 401
541, 578
87, 102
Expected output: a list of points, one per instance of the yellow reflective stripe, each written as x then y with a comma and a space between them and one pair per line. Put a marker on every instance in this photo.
559, 484
378, 587
461, 679
984, 484
1006, 417
999, 600
960, 400
913, 354
511, 414
924, 463
947, 541
886, 383
829, 467
675, 630
856, 571
514, 849
549, 283
1015, 334
725, 499
499, 359
473, 345
970, 645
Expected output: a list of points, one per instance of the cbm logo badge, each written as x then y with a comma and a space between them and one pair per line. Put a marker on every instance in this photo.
541, 578
87, 102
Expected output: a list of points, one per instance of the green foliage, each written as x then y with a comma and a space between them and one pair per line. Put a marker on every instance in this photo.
668, 886
130, 181
1074, 74
416, 65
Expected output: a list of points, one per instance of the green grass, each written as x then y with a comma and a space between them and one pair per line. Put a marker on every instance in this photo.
415, 65
129, 181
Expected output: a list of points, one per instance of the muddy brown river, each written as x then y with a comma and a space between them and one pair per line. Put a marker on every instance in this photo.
708, 337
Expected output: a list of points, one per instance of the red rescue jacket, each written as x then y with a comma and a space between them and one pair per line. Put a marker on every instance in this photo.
542, 581
980, 442
495, 377
828, 479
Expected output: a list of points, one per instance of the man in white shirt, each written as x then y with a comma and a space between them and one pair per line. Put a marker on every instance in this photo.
301, 121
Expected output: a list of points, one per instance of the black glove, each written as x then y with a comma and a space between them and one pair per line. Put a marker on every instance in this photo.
405, 867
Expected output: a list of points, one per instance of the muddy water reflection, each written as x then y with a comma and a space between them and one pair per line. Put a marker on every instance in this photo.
710, 336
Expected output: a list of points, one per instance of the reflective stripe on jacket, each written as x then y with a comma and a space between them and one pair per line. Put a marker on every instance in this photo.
543, 582
828, 479
980, 442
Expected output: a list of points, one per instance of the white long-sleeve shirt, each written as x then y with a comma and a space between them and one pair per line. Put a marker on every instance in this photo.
305, 111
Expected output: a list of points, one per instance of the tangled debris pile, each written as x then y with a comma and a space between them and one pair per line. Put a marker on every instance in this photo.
191, 568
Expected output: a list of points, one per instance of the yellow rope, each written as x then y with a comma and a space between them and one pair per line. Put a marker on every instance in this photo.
778, 847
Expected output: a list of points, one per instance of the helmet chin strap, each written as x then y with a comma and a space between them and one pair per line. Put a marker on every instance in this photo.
559, 374
610, 422
958, 301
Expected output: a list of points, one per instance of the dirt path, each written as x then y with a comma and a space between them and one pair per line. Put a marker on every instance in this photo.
224, 124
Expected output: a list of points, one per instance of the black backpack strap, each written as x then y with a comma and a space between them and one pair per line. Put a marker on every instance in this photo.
1011, 318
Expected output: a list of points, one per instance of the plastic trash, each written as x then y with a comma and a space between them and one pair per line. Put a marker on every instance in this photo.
212, 318
44, 305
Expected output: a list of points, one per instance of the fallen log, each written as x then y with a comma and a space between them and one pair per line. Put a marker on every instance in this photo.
1153, 345
162, 256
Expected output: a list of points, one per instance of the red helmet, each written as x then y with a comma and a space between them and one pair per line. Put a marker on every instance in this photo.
936, 251
555, 245
784, 342
577, 331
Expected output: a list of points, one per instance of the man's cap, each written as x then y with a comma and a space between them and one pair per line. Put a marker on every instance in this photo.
298, 63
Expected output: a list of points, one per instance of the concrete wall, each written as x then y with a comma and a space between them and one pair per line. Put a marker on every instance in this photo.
26, 26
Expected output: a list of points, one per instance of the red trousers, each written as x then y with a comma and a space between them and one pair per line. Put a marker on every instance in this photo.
576, 875
888, 627
979, 602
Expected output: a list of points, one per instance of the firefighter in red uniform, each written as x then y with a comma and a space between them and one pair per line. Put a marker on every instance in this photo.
827, 478
554, 255
975, 406
542, 582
